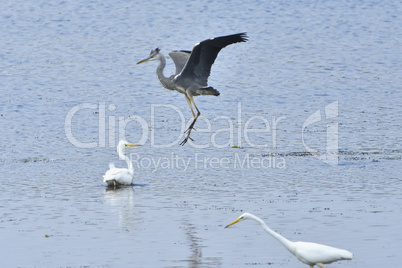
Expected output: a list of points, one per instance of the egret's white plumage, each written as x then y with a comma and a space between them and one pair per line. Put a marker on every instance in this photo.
306, 252
120, 176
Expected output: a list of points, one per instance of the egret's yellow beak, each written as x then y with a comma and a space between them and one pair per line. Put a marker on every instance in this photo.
144, 60
233, 222
132, 145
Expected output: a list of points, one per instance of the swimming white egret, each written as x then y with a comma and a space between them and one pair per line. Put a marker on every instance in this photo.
120, 176
306, 252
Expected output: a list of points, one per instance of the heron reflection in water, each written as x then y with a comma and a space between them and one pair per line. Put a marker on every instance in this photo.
193, 69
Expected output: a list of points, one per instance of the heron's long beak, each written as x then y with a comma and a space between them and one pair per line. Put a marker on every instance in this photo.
144, 60
233, 222
132, 145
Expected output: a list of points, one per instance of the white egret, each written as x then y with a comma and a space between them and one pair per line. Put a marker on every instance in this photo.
306, 252
120, 176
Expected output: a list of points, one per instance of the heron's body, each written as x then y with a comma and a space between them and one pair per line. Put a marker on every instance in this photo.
120, 176
193, 69
306, 252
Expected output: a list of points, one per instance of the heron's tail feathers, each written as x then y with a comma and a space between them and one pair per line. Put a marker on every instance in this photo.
209, 91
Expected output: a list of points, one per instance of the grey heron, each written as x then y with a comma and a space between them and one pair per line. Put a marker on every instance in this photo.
193, 69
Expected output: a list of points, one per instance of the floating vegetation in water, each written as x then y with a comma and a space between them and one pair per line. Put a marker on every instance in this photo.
34, 159
39, 160
373, 155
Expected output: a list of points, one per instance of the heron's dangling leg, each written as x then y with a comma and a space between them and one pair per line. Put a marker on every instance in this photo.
192, 111
198, 113
190, 100
189, 104
320, 265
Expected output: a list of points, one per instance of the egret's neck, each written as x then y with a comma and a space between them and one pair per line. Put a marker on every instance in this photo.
285, 242
129, 164
126, 158
165, 81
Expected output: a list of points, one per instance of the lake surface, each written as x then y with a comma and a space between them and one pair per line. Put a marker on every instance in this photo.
306, 134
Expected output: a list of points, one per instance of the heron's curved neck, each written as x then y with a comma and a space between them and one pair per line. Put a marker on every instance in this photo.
165, 81
285, 242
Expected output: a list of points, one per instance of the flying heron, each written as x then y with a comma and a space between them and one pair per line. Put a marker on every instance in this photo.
193, 69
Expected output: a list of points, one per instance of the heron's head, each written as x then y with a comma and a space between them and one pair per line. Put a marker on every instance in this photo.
242, 217
154, 55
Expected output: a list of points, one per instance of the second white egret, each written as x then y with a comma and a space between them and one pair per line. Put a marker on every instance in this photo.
306, 252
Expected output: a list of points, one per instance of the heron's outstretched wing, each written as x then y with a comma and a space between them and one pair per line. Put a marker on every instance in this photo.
198, 66
180, 59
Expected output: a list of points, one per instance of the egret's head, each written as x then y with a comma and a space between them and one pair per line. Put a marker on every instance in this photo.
124, 144
242, 217
154, 55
